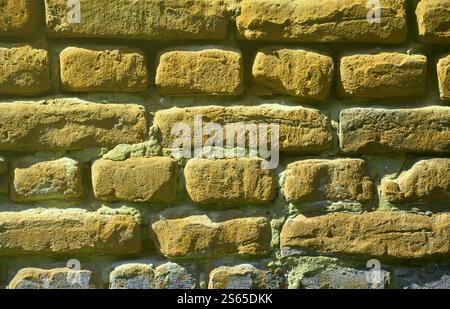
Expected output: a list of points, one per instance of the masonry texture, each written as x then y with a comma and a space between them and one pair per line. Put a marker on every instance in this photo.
91, 99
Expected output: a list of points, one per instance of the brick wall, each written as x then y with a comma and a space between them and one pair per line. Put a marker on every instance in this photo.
92, 196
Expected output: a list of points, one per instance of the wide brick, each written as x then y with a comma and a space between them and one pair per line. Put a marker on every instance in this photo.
199, 236
245, 276
70, 124
293, 72
301, 129
58, 278
208, 71
331, 180
108, 70
144, 19
375, 234
433, 17
18, 17
135, 180
426, 180
321, 21
384, 75
57, 232
24, 70
35, 180
370, 130
443, 69
229, 181
143, 276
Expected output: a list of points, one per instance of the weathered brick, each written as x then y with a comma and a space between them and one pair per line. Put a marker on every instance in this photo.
35, 180
57, 232
144, 19
142, 276
135, 180
108, 70
229, 181
4, 177
58, 278
3, 165
384, 75
321, 21
370, 130
24, 70
426, 180
199, 236
18, 17
443, 69
208, 71
433, 276
375, 234
301, 129
433, 17
245, 276
293, 72
333, 180
70, 124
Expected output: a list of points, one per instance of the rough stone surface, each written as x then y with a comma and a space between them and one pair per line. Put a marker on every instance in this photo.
24, 70
59, 278
144, 19
52, 231
376, 130
384, 75
174, 276
208, 71
35, 180
431, 277
443, 68
433, 17
321, 21
62, 124
301, 129
95, 69
293, 72
229, 180
243, 276
333, 180
375, 234
136, 179
426, 180
199, 236
18, 17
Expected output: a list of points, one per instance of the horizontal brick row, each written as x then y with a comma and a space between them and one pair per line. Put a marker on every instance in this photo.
286, 20
295, 72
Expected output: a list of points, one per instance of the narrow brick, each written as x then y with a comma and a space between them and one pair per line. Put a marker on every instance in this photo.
370, 130
426, 180
293, 72
321, 21
62, 124
433, 18
376, 234
245, 276
24, 70
443, 69
301, 130
18, 17
144, 19
108, 70
208, 71
135, 180
4, 177
35, 180
384, 75
229, 181
58, 278
328, 180
58, 232
199, 236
